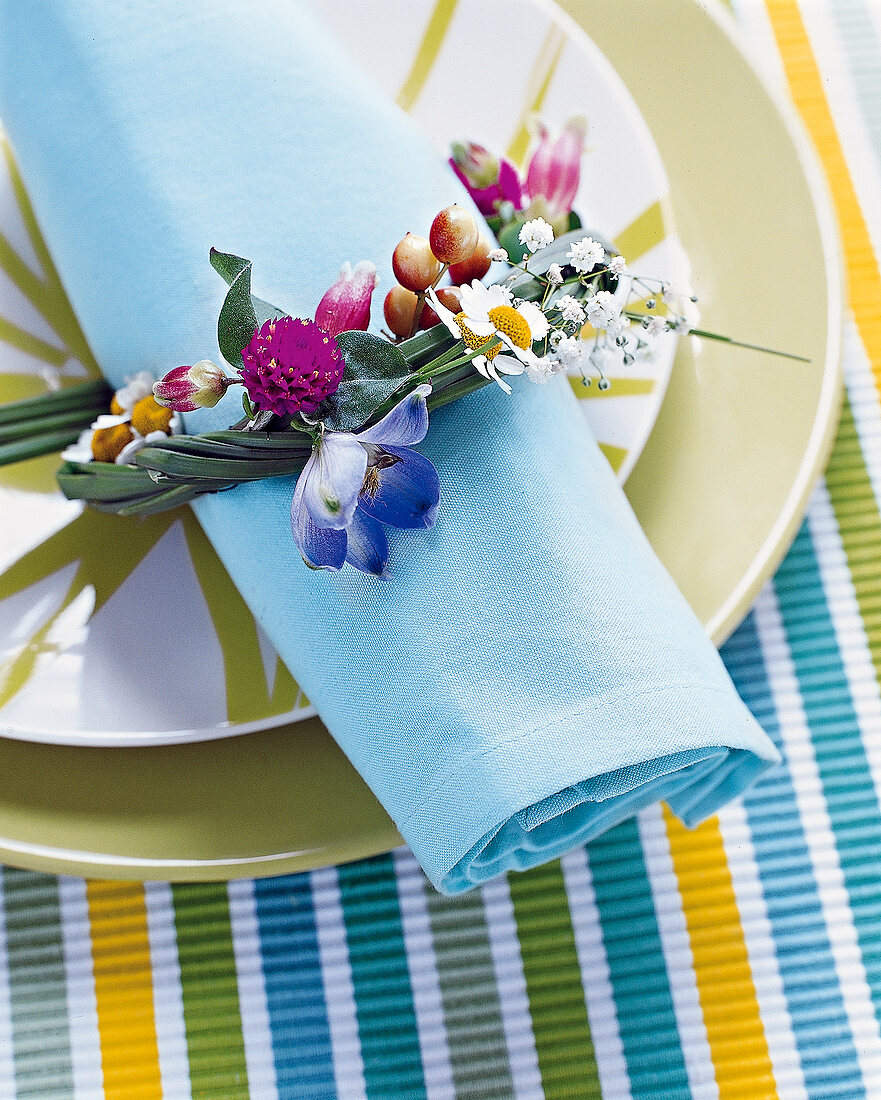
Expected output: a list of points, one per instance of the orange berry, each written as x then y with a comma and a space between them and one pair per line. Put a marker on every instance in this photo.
414, 264
476, 266
449, 297
453, 235
399, 307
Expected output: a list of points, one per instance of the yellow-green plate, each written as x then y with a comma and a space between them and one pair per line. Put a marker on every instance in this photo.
720, 488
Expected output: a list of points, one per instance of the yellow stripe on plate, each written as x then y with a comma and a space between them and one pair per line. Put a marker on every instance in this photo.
806, 86
621, 387
728, 999
615, 455
426, 55
643, 233
536, 89
124, 990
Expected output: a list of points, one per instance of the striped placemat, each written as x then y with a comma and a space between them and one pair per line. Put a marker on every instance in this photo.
740, 960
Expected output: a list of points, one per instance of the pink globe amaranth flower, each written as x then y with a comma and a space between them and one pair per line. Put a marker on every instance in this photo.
291, 366
186, 389
346, 306
555, 168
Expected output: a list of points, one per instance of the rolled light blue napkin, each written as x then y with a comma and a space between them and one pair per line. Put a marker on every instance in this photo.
530, 676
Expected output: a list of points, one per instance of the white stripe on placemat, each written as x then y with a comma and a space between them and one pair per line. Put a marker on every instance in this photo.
168, 997
596, 978
339, 990
504, 947
437, 1069
79, 978
799, 753
678, 958
759, 940
253, 1007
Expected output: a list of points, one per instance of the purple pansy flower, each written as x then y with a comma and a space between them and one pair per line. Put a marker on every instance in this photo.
353, 484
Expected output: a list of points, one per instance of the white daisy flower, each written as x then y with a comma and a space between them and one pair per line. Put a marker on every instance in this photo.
136, 388
536, 234
486, 312
585, 254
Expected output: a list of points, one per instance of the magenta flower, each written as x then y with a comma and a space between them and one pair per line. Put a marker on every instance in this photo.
290, 366
346, 305
555, 168
489, 181
186, 389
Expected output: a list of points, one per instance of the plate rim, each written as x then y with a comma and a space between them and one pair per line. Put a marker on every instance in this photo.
60, 859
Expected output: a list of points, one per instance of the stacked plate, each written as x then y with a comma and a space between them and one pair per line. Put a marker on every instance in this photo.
128, 749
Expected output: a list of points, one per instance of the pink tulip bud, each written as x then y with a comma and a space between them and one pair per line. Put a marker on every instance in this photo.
346, 305
489, 181
186, 389
555, 169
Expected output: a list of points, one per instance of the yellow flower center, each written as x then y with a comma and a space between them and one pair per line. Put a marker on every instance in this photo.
108, 442
473, 341
149, 416
512, 324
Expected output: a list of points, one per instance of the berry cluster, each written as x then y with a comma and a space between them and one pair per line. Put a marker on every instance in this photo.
455, 245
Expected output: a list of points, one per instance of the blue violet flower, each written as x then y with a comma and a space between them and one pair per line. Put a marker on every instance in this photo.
353, 484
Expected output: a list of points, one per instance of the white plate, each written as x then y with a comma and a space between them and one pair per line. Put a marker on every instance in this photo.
82, 659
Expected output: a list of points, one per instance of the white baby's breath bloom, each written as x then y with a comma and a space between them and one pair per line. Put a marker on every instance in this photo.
498, 256
536, 234
569, 351
683, 326
654, 326
618, 265
571, 309
555, 274
585, 254
603, 310
542, 369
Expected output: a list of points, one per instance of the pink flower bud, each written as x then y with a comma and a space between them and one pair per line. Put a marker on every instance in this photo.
555, 169
346, 305
186, 389
489, 181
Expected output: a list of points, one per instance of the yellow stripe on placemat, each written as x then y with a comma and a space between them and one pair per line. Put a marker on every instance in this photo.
536, 89
806, 86
621, 387
426, 55
728, 999
124, 990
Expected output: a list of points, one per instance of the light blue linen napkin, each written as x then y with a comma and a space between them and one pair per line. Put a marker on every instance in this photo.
530, 676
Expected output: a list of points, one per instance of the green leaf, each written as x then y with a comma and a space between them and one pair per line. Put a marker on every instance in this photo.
509, 239
574, 221
374, 370
242, 312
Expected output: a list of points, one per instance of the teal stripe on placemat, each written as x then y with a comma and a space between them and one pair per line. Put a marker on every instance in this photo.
801, 942
215, 1045
841, 759
38, 985
641, 987
294, 989
470, 996
381, 978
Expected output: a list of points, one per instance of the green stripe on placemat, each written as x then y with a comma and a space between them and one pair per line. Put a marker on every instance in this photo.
553, 984
213, 1022
37, 985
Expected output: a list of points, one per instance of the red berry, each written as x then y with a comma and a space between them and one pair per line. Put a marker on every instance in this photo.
449, 297
399, 307
475, 267
453, 235
414, 265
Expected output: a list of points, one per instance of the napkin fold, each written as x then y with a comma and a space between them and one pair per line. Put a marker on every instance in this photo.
530, 675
